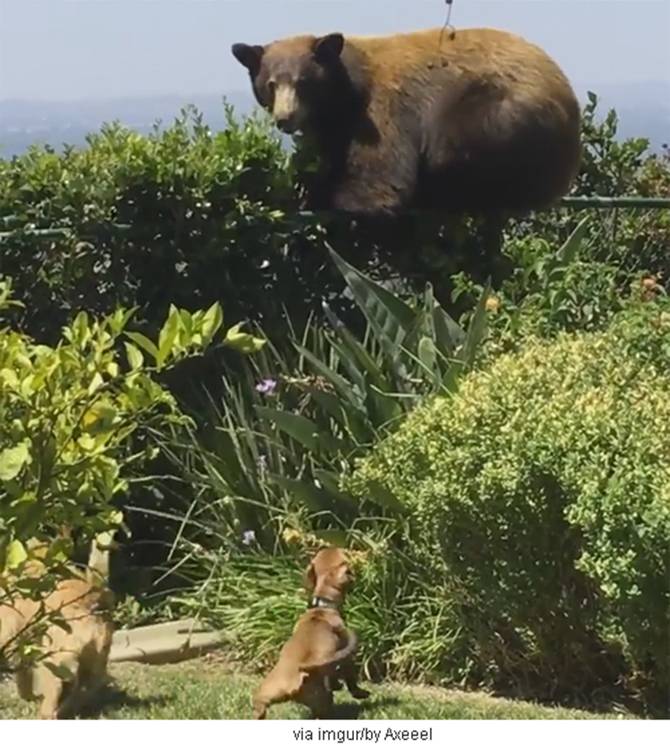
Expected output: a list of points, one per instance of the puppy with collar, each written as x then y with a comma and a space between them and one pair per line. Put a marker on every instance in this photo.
321, 650
76, 643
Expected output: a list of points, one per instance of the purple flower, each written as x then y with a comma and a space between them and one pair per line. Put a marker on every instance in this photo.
248, 537
266, 386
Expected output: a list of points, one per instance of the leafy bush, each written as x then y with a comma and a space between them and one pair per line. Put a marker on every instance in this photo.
539, 499
77, 421
181, 216
551, 290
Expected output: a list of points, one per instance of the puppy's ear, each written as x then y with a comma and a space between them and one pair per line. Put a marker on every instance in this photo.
249, 56
310, 577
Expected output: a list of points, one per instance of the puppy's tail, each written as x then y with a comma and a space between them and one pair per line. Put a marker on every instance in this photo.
344, 653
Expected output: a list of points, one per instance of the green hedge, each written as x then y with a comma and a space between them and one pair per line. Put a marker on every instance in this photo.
213, 216
540, 499
208, 216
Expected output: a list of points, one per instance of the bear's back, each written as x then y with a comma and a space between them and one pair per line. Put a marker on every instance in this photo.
485, 52
494, 117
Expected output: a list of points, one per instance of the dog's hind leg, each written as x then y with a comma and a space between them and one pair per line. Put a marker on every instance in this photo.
318, 697
260, 708
266, 695
349, 673
25, 684
51, 689
56, 681
334, 682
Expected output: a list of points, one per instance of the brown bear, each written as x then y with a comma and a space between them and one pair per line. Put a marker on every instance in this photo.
476, 120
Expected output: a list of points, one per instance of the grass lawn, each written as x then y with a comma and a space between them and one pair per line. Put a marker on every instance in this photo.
209, 689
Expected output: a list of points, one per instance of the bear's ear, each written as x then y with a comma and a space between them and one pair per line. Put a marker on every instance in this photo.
328, 48
249, 56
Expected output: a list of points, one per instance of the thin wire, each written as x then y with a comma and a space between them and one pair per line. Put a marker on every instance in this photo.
447, 23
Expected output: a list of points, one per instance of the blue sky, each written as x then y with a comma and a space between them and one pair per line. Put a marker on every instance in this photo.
74, 49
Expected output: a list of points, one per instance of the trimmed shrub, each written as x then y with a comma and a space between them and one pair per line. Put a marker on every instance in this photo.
540, 495
189, 216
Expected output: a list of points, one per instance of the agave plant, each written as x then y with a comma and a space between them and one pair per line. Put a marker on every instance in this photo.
291, 424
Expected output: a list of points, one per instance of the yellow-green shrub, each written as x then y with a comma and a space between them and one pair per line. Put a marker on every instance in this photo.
540, 494
79, 420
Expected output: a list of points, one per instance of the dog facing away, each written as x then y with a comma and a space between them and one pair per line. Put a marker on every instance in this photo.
74, 649
321, 650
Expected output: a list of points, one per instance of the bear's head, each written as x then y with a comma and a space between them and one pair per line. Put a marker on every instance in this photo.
295, 79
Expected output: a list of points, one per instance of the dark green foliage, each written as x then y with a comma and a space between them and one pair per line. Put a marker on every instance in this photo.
202, 214
188, 216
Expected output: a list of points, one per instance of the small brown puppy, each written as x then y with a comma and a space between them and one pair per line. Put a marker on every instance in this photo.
75, 646
321, 649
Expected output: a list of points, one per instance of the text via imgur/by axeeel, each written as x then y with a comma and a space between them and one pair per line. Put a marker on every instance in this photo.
364, 735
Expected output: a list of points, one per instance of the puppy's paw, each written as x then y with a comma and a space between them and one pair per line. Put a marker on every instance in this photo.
358, 693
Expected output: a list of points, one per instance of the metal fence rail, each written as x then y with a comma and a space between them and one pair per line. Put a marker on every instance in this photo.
569, 202
615, 202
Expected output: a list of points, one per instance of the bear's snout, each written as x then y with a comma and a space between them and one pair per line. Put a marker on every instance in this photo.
287, 109
286, 124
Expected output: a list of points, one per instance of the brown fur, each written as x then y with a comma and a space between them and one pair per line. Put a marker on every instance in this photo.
478, 120
77, 640
321, 649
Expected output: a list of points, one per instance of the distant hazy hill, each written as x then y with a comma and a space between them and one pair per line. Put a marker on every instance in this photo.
23, 123
643, 108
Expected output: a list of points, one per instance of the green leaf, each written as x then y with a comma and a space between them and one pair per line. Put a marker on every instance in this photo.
12, 460
330, 482
243, 342
357, 350
144, 343
212, 321
349, 362
426, 353
99, 418
569, 250
15, 555
448, 334
336, 538
187, 322
62, 671
330, 403
390, 318
135, 358
168, 336
119, 319
95, 383
297, 427
476, 330
79, 329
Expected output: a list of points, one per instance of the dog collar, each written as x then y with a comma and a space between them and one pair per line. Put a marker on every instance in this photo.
322, 602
